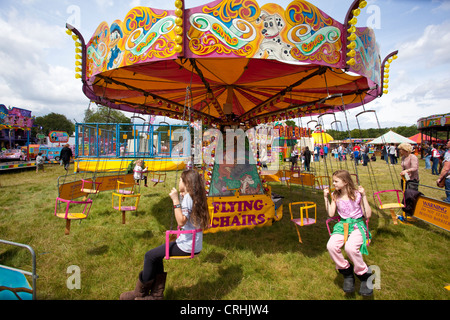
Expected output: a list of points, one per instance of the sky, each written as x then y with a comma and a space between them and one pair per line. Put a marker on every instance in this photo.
37, 57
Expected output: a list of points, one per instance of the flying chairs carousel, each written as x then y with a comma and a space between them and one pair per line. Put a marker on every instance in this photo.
240, 73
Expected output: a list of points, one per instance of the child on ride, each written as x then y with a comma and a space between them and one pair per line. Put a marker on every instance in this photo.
352, 206
191, 214
139, 172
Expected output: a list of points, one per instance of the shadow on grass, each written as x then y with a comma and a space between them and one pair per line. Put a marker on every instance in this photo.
281, 237
228, 278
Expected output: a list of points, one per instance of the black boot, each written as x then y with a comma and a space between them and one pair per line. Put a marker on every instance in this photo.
349, 279
363, 288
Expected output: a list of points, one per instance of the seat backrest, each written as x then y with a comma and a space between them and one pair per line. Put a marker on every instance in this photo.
121, 197
178, 232
304, 207
87, 205
388, 191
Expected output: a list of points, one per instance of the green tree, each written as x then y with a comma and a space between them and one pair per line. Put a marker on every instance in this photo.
53, 122
290, 123
104, 115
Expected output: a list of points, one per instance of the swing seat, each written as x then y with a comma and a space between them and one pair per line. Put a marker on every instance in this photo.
391, 206
68, 216
125, 187
14, 284
157, 178
177, 233
320, 183
94, 186
286, 177
133, 198
303, 219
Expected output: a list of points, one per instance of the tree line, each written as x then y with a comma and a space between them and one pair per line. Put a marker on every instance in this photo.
406, 131
58, 122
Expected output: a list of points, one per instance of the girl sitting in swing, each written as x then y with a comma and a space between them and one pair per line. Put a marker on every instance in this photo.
139, 172
192, 213
352, 206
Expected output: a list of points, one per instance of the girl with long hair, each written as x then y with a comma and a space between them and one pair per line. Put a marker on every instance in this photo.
352, 206
191, 213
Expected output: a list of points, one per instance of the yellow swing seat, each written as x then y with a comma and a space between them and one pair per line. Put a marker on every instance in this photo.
391, 206
125, 187
125, 208
90, 187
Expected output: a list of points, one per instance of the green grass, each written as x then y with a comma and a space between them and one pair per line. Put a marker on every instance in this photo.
262, 263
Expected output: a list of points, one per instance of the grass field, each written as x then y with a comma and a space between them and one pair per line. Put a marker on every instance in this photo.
260, 264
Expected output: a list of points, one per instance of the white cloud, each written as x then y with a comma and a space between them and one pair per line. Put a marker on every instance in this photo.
27, 79
431, 47
444, 6
104, 4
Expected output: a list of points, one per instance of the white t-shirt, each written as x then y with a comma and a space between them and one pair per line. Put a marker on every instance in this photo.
184, 241
138, 172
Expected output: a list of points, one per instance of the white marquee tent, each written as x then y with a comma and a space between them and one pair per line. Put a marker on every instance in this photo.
391, 137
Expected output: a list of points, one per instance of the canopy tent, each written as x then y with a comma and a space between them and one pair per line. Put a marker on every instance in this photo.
418, 138
391, 137
321, 137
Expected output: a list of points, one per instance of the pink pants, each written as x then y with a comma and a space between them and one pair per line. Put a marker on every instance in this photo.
352, 246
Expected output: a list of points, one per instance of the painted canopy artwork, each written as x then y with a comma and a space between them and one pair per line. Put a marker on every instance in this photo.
243, 63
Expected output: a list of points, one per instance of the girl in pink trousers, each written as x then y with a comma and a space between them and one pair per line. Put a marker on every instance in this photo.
352, 206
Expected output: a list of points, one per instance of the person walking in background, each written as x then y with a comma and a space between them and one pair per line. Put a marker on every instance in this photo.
307, 157
392, 152
316, 153
385, 152
435, 155
445, 173
427, 155
39, 162
65, 155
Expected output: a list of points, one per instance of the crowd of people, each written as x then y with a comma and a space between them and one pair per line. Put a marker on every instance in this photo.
360, 153
437, 159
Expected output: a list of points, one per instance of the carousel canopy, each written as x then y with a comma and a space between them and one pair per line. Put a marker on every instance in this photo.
232, 61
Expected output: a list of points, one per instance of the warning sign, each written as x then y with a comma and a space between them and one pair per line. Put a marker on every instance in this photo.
433, 211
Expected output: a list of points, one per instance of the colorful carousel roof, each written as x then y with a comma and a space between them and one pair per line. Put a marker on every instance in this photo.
232, 61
